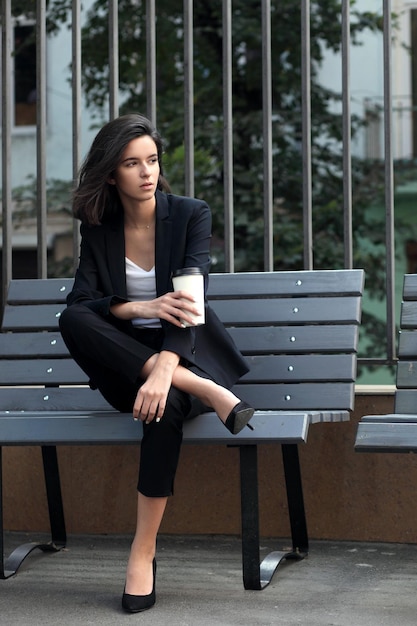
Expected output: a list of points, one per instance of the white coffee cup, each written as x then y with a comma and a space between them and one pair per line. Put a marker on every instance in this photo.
191, 279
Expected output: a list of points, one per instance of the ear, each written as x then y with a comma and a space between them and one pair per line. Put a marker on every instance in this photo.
111, 180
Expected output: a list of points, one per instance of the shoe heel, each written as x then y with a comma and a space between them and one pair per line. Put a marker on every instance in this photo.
239, 417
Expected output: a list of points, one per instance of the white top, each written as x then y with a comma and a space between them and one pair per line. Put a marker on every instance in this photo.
141, 287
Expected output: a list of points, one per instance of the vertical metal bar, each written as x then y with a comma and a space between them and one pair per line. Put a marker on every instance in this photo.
113, 58
189, 97
229, 248
151, 60
267, 136
389, 182
347, 154
76, 111
6, 147
41, 138
306, 133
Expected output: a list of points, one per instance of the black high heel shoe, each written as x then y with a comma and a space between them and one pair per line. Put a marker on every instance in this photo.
136, 604
239, 417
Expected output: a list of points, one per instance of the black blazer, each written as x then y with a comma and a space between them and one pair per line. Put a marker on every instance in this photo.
183, 233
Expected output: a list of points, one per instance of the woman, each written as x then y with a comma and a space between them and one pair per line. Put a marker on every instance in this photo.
125, 326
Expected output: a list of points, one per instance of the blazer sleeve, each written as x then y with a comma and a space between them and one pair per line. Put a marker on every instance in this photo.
92, 287
191, 248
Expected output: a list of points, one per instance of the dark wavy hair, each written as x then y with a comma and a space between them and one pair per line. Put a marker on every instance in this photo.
95, 199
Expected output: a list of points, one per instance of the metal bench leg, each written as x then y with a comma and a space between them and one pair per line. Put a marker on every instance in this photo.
12, 563
250, 516
295, 501
256, 574
54, 496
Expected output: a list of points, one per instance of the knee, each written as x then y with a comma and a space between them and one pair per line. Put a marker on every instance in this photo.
178, 406
73, 318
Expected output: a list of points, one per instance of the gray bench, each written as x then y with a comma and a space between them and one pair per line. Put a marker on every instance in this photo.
397, 432
299, 331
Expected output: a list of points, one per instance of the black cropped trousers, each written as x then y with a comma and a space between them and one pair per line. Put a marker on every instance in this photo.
113, 360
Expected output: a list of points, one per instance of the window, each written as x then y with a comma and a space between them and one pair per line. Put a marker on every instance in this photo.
24, 75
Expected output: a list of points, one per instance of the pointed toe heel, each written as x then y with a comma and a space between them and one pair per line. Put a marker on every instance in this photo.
239, 417
136, 604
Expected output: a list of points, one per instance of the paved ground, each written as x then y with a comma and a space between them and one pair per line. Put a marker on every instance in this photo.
199, 583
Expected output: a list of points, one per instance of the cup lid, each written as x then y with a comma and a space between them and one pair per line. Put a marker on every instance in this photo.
188, 271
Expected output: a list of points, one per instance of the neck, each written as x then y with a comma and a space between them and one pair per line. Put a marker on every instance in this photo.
142, 218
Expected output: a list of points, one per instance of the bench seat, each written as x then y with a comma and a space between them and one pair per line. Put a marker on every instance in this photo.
299, 332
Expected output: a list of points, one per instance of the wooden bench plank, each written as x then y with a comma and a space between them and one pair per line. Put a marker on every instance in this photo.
405, 400
346, 310
407, 347
329, 339
264, 369
410, 287
36, 345
49, 428
385, 436
301, 282
231, 312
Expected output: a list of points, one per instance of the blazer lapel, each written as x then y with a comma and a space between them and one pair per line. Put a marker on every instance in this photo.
163, 244
115, 244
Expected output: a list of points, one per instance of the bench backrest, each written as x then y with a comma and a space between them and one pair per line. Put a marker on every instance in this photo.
406, 394
299, 331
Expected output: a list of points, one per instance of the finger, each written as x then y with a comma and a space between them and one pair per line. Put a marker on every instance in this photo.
160, 413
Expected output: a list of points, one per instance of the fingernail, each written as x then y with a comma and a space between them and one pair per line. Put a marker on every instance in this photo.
135, 419
183, 325
158, 419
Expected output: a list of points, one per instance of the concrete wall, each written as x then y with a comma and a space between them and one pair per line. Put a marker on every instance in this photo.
348, 495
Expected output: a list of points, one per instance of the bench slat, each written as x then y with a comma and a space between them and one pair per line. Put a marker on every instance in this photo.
280, 396
262, 340
288, 283
234, 312
32, 317
52, 399
406, 374
410, 287
119, 428
296, 339
405, 400
302, 368
41, 372
386, 437
407, 347
286, 310
308, 282
267, 368
36, 344
301, 396
408, 315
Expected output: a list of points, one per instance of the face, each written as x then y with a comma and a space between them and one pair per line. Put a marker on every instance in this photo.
136, 177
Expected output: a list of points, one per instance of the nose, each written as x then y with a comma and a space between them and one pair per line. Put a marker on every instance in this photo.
145, 170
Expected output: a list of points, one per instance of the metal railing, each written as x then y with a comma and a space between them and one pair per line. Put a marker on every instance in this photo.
228, 157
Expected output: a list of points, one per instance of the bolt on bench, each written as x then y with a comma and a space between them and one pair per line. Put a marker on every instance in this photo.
397, 432
299, 331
